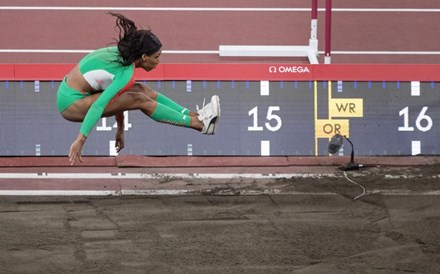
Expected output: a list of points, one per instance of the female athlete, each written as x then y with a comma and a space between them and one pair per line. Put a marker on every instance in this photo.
102, 84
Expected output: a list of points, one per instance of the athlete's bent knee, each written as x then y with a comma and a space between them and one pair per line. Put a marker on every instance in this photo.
138, 87
140, 99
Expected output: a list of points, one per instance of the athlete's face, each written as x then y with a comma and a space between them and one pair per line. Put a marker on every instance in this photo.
150, 62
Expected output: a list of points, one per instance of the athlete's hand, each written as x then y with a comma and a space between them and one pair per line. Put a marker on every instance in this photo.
120, 140
76, 149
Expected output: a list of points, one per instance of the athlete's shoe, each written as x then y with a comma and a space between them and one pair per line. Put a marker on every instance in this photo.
210, 115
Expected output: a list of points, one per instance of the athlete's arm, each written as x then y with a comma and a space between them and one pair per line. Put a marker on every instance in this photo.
76, 148
120, 140
97, 108
120, 120
95, 113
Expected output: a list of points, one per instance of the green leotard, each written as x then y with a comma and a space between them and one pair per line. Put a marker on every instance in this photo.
109, 77
105, 74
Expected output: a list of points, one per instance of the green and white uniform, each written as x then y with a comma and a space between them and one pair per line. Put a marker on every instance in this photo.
106, 75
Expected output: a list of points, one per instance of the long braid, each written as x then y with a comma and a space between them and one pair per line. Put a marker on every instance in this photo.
132, 43
125, 25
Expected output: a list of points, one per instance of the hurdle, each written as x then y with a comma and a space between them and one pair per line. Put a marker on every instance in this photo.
310, 51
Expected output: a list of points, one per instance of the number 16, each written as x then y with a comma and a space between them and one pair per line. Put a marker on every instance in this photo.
421, 117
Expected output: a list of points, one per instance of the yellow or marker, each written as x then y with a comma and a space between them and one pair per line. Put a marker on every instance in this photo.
326, 128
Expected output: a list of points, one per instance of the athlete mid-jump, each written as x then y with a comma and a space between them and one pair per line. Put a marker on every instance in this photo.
102, 84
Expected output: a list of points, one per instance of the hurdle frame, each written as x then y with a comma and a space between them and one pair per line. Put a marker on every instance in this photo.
310, 51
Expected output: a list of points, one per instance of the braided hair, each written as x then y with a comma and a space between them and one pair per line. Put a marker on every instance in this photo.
134, 42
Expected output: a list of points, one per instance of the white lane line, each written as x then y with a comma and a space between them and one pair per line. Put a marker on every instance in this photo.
227, 192
45, 51
221, 9
159, 175
384, 52
89, 50
83, 51
58, 8
382, 10
45, 175
58, 193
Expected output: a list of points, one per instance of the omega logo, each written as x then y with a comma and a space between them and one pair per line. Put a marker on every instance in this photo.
288, 69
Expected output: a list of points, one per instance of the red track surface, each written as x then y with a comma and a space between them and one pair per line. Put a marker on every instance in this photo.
185, 30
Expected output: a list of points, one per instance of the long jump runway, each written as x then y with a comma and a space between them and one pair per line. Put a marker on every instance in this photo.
138, 175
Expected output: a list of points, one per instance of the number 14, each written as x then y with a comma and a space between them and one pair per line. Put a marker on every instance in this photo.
105, 127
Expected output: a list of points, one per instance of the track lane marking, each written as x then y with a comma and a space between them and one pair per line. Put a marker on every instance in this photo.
119, 176
223, 192
250, 9
216, 52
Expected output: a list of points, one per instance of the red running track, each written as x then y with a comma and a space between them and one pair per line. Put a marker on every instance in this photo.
368, 31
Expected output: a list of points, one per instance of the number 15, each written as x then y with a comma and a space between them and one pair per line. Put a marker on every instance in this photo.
270, 116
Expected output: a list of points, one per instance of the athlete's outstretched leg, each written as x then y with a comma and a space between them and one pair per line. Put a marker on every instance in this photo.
163, 99
162, 113
159, 112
